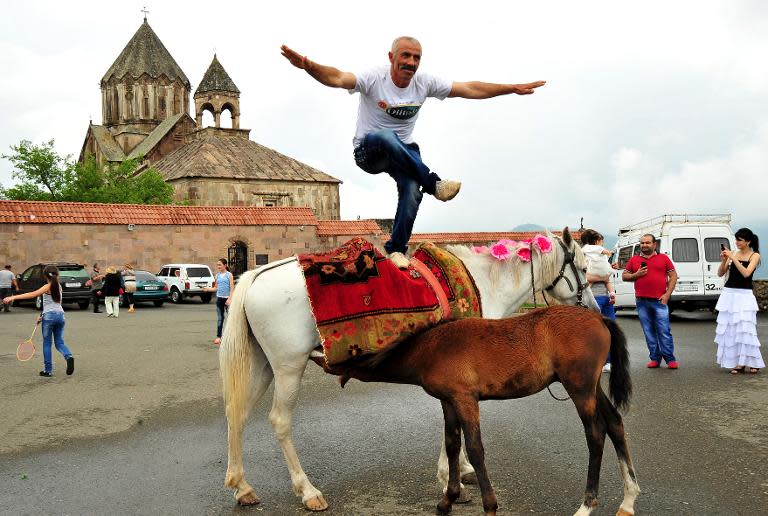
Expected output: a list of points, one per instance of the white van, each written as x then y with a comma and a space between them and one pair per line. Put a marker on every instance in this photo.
692, 242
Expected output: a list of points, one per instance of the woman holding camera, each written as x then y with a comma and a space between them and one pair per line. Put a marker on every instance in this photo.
738, 348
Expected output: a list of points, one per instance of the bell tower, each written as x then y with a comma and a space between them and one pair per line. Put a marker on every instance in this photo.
217, 93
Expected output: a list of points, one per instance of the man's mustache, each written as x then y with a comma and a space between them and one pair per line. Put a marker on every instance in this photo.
408, 67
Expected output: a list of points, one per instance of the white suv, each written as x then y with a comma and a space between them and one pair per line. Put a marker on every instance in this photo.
186, 280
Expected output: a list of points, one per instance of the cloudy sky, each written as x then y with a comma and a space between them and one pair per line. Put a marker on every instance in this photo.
649, 108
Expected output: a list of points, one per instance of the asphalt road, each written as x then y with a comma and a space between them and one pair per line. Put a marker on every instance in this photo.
698, 437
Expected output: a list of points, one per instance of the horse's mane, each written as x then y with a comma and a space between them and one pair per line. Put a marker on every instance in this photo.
514, 266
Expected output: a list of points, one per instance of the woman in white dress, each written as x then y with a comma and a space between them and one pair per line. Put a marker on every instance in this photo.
738, 348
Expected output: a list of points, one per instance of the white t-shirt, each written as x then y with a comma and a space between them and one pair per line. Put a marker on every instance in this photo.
6, 278
385, 106
597, 262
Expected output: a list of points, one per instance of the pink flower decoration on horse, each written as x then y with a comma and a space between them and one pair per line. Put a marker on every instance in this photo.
479, 249
500, 252
524, 253
543, 243
507, 242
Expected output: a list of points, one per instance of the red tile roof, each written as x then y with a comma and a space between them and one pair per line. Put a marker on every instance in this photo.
479, 237
347, 227
36, 212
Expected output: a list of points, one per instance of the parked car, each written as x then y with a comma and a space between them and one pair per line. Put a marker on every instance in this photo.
186, 280
148, 288
72, 276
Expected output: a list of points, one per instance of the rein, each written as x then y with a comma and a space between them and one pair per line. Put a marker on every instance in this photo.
570, 257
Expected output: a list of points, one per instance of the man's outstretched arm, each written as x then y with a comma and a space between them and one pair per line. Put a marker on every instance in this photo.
328, 75
486, 90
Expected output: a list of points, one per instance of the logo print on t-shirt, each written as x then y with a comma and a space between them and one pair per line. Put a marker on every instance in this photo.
401, 112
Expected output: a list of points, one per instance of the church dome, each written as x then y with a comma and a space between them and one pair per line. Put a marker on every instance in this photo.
145, 54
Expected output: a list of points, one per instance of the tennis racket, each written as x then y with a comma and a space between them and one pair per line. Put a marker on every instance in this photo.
26, 349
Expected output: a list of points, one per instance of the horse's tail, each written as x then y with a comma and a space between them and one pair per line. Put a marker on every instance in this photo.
619, 383
236, 352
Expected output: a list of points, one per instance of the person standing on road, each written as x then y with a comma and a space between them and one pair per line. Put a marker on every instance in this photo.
7, 285
97, 282
223, 285
129, 282
654, 277
738, 348
112, 288
599, 278
52, 318
390, 99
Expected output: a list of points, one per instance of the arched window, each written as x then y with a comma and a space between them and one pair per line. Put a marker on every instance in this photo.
228, 119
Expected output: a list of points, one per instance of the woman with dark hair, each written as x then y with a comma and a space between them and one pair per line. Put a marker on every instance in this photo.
738, 348
223, 286
52, 318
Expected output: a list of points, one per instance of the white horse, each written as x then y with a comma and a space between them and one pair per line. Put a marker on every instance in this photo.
271, 335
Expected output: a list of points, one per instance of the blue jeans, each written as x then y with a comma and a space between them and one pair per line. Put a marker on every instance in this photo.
654, 318
382, 151
221, 309
606, 308
53, 331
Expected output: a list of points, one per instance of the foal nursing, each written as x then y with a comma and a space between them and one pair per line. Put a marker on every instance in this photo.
466, 361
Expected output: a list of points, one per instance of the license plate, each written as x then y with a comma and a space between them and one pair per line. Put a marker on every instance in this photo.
690, 287
72, 285
201, 284
151, 288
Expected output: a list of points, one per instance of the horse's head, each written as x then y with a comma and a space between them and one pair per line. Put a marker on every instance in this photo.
570, 285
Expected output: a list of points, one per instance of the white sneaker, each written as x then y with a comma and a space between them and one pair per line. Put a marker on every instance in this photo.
447, 190
607, 368
399, 259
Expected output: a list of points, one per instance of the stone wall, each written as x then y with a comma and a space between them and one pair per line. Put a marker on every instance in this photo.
149, 247
760, 288
323, 198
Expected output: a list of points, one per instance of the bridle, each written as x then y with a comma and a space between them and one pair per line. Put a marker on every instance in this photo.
568, 259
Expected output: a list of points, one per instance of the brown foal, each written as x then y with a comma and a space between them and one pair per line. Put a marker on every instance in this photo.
466, 361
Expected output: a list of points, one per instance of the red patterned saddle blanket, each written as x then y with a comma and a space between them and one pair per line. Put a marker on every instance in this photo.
363, 304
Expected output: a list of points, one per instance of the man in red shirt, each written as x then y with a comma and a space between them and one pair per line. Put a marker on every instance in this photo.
655, 278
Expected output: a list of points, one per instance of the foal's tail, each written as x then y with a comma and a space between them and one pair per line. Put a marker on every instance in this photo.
620, 383
236, 351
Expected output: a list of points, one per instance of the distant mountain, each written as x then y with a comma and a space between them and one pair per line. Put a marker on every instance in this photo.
529, 227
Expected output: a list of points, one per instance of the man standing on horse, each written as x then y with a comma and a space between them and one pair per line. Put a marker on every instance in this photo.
390, 99
655, 278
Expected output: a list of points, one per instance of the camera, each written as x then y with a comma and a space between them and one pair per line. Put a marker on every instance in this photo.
722, 247
643, 264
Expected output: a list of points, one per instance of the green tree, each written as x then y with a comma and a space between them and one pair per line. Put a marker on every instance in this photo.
44, 175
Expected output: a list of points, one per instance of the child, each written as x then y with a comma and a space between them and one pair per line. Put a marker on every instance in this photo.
52, 318
597, 258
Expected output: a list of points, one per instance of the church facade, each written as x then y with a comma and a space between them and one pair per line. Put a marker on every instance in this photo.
145, 114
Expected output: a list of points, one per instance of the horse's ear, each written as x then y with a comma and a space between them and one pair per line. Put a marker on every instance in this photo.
567, 239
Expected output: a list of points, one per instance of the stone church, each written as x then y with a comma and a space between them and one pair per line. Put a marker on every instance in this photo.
145, 99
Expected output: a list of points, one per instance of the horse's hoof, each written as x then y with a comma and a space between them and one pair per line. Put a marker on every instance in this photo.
316, 504
622, 512
464, 496
249, 498
443, 508
469, 478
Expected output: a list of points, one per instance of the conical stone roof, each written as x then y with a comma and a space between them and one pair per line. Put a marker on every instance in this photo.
216, 79
145, 53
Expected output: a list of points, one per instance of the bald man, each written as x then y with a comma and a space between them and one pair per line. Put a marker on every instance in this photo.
390, 99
